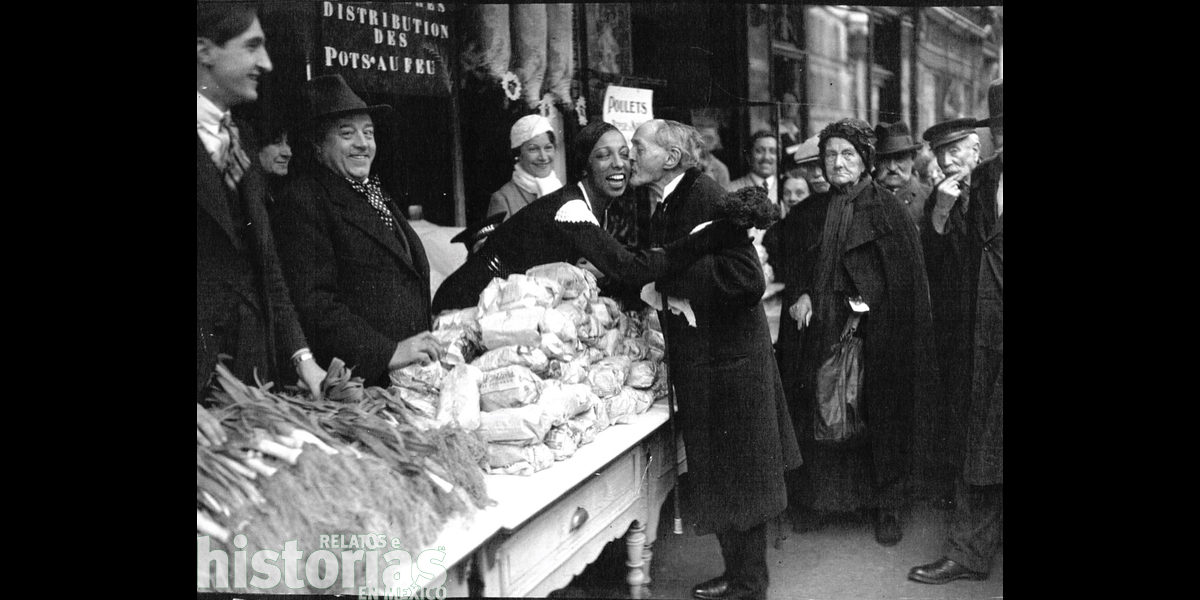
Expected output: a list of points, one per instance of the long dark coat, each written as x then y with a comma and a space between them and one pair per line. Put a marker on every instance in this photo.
912, 197
359, 291
884, 263
242, 303
966, 269
732, 410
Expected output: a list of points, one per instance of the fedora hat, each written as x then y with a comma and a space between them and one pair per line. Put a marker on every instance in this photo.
995, 105
894, 138
951, 131
329, 95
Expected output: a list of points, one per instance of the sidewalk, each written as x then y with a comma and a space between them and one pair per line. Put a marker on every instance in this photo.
840, 562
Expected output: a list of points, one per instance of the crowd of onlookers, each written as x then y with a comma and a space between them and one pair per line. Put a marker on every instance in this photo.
895, 241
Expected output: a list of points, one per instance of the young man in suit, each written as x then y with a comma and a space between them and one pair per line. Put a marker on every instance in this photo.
242, 304
732, 411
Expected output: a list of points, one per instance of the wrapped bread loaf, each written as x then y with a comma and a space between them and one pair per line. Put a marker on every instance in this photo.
521, 425
508, 387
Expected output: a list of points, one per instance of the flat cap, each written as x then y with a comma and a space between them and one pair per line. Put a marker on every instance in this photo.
806, 151
949, 132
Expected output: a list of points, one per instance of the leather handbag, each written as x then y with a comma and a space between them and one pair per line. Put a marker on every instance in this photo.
839, 390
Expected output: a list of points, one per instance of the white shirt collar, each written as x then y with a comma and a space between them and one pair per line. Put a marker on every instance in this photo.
586, 200
208, 126
671, 185
761, 181
208, 115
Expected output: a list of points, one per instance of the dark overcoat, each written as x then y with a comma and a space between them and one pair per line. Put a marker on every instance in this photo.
883, 261
359, 289
242, 304
966, 268
912, 196
732, 410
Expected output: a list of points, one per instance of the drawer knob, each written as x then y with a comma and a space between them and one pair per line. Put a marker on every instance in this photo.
579, 518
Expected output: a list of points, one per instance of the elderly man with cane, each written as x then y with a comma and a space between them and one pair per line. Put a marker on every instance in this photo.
732, 411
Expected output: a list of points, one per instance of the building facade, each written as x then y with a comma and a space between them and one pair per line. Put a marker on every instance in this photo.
459, 75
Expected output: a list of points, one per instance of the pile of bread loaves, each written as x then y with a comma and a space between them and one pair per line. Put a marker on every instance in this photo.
540, 366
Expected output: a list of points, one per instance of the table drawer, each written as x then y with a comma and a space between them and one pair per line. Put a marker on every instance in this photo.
556, 533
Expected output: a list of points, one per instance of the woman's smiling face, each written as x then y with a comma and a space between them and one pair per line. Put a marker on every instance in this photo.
608, 165
537, 156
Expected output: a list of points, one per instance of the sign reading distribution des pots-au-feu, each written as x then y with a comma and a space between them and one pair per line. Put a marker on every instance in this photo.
396, 47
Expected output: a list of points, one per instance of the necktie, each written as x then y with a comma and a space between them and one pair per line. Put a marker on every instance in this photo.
236, 161
376, 198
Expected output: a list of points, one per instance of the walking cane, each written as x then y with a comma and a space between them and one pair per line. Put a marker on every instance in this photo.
678, 530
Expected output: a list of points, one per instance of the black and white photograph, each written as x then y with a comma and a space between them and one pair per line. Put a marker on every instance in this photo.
648, 300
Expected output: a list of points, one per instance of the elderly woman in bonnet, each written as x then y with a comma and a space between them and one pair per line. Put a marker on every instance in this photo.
855, 242
533, 148
568, 225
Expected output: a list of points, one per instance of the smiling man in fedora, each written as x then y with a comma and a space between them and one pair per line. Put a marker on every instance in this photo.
357, 270
894, 168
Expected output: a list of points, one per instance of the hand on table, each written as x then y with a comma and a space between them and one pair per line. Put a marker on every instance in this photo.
422, 348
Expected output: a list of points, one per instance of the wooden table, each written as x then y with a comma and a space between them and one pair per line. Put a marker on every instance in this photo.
545, 528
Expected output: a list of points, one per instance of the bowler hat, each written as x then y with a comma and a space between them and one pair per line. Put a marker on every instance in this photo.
995, 105
951, 131
329, 95
471, 235
804, 152
894, 138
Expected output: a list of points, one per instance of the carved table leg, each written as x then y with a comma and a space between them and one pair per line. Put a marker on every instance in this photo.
647, 556
635, 545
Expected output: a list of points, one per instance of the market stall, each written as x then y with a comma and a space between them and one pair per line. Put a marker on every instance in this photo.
511, 462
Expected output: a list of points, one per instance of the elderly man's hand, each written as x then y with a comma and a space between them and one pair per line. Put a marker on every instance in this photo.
208, 429
947, 193
311, 377
422, 348
801, 311
948, 190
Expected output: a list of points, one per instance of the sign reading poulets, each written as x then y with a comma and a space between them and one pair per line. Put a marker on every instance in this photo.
395, 47
625, 108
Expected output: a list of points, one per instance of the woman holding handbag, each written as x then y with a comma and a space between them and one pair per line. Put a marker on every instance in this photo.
853, 242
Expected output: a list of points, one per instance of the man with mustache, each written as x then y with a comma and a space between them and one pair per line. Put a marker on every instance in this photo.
894, 169
242, 306
732, 410
964, 248
762, 156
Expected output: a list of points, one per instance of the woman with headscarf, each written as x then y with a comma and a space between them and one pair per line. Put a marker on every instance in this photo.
854, 241
533, 149
569, 224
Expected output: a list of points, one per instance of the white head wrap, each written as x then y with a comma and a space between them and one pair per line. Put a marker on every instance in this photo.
528, 127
